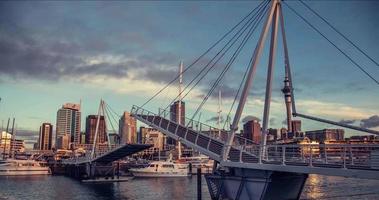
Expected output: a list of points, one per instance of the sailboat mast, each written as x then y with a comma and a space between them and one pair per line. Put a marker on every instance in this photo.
180, 104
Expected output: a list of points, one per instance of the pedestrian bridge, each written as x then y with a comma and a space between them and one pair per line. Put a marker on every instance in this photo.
106, 154
348, 160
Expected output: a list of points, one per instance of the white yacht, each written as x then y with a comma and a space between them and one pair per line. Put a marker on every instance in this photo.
200, 161
13, 167
162, 169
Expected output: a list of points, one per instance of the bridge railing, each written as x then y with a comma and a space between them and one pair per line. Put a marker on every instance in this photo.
321, 155
215, 133
308, 154
85, 156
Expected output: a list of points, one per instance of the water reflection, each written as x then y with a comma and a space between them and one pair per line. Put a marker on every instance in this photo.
60, 187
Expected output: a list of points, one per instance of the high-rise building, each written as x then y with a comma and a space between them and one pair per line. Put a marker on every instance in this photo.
176, 115
296, 126
45, 136
174, 112
326, 135
69, 122
63, 142
252, 131
91, 122
127, 129
141, 135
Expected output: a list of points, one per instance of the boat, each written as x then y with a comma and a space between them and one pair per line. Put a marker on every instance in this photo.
15, 167
162, 169
196, 162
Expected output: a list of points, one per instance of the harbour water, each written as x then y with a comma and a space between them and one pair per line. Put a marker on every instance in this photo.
60, 187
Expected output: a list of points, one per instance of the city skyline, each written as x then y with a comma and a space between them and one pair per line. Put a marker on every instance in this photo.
84, 62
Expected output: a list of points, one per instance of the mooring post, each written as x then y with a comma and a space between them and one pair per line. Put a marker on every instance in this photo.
199, 183
118, 169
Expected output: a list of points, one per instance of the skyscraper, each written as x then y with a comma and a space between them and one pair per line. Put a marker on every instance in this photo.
252, 131
45, 136
127, 129
91, 122
177, 116
296, 126
68, 122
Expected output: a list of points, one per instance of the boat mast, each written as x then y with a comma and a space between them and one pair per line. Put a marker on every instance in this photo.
180, 104
6, 137
12, 140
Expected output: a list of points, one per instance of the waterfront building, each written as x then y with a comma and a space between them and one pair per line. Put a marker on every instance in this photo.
296, 126
17, 146
45, 136
35, 146
141, 135
127, 129
114, 138
272, 134
363, 138
69, 122
91, 122
252, 131
155, 138
283, 133
63, 142
82, 138
10, 145
325, 135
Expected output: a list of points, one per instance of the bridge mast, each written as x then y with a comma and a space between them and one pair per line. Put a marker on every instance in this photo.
271, 63
249, 78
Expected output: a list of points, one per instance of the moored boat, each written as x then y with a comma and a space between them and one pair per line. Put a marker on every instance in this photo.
14, 167
162, 169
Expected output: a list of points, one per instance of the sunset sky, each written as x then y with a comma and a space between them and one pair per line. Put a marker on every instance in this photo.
57, 52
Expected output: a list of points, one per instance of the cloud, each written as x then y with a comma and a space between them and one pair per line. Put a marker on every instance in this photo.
23, 56
249, 118
330, 109
370, 122
215, 119
272, 121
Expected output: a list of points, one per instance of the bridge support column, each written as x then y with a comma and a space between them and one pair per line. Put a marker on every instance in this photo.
240, 183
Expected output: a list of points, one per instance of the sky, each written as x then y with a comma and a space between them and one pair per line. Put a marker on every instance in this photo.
53, 52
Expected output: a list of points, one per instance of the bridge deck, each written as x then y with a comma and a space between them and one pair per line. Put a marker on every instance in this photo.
360, 161
111, 155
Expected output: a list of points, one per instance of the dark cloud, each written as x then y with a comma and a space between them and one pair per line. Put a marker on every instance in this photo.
370, 122
215, 119
25, 57
27, 133
249, 118
347, 121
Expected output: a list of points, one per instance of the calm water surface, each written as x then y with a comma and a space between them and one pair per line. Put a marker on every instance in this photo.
60, 187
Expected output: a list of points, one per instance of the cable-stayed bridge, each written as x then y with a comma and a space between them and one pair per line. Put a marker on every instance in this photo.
250, 170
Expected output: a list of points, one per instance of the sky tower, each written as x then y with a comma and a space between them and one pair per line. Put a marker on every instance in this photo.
287, 99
